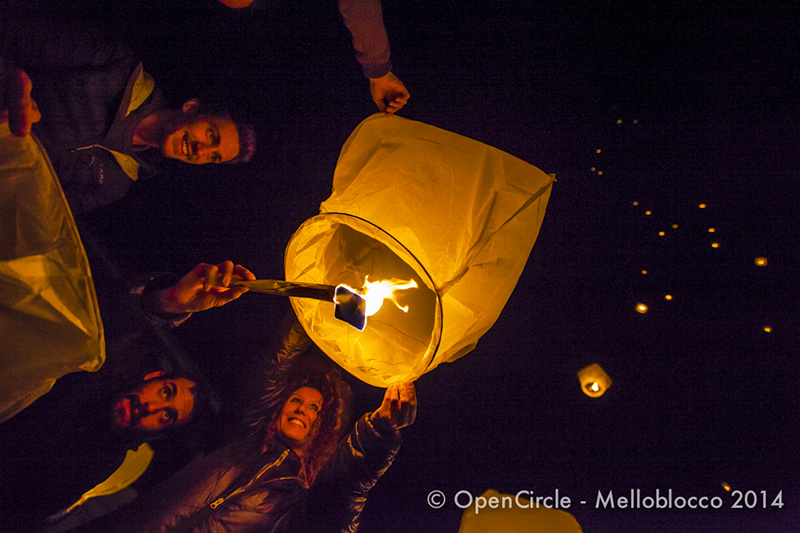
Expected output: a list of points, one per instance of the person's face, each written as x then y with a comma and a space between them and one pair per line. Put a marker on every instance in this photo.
157, 404
298, 414
200, 139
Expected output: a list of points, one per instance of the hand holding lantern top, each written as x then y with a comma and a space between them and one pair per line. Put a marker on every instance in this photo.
204, 287
16, 105
388, 93
399, 408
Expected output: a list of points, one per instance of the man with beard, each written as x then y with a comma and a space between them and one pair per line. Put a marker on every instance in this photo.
75, 436
101, 119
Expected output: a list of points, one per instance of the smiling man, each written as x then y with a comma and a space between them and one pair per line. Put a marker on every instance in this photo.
104, 124
193, 136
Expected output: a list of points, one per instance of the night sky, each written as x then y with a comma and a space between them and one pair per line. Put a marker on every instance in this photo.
638, 109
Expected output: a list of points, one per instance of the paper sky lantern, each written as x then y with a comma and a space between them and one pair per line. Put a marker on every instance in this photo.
49, 319
414, 203
594, 380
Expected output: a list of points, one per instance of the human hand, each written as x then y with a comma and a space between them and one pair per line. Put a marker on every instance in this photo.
388, 93
399, 407
16, 105
206, 286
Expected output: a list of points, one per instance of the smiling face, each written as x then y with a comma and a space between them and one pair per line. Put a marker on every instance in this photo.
156, 405
298, 415
200, 139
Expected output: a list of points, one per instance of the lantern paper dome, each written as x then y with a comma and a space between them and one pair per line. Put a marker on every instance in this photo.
594, 380
415, 202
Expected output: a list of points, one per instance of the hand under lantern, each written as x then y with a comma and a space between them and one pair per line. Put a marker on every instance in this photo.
399, 408
204, 287
388, 93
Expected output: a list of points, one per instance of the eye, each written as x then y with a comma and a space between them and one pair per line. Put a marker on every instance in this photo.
167, 416
165, 393
315, 407
212, 135
215, 158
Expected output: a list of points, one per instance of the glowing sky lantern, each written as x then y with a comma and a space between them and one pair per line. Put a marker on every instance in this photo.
641, 308
594, 380
448, 220
760, 261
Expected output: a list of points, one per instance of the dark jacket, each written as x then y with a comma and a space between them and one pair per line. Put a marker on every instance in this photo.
237, 489
241, 488
91, 92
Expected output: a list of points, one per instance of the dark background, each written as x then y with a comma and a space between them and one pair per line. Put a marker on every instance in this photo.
688, 105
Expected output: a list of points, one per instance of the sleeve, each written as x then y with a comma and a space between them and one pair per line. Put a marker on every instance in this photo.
364, 19
337, 498
145, 293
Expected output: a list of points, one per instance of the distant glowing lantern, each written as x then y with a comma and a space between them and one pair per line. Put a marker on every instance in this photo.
636, 121
702, 206
726, 486
598, 151
619, 121
760, 261
661, 233
594, 380
416, 205
668, 297
648, 213
644, 272
635, 202
674, 226
711, 230
715, 245
599, 172
641, 308
768, 329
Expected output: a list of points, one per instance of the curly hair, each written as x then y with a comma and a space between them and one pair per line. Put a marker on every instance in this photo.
312, 369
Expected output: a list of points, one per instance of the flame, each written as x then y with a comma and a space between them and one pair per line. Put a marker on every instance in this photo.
594, 387
375, 292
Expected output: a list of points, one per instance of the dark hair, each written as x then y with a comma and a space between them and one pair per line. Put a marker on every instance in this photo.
247, 135
247, 143
313, 369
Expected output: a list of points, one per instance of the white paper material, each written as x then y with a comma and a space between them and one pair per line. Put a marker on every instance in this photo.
412, 201
49, 320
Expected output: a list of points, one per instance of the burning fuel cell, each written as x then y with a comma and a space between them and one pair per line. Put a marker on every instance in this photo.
444, 223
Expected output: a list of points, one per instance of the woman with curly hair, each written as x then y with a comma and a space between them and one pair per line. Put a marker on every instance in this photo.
292, 470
